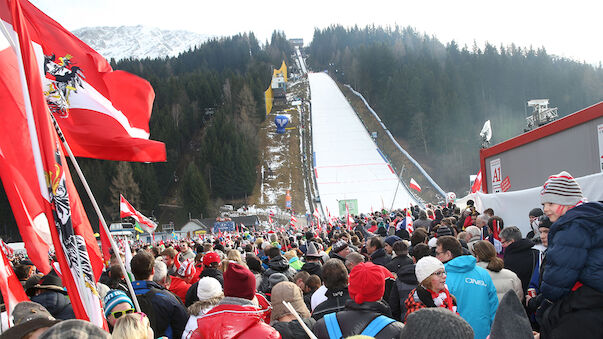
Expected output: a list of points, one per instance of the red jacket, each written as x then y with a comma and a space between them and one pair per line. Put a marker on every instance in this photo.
179, 287
234, 321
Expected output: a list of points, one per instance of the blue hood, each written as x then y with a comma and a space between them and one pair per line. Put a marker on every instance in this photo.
461, 264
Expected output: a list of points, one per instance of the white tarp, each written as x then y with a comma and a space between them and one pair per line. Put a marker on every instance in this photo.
513, 207
347, 162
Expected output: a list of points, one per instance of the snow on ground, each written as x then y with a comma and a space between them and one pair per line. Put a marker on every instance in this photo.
346, 160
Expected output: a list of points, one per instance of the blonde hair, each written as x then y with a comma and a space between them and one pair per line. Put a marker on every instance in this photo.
131, 326
233, 256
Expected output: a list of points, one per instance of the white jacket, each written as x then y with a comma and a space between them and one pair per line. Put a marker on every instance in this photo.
503, 281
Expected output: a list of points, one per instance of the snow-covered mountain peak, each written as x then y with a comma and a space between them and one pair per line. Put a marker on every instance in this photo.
138, 42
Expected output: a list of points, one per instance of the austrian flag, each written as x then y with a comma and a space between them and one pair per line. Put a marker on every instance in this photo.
104, 114
414, 185
126, 210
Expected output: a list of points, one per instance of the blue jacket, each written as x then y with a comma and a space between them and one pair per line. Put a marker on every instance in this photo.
575, 251
170, 314
475, 293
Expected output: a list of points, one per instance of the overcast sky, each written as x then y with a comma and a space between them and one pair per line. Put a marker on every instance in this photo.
566, 28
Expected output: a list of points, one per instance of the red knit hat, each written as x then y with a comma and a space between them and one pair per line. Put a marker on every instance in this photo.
367, 282
239, 282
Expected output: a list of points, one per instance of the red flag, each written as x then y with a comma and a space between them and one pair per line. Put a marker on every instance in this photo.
477, 184
105, 243
11, 288
104, 114
17, 164
71, 232
126, 210
414, 185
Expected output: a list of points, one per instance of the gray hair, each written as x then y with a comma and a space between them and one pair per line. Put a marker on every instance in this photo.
484, 218
160, 271
511, 233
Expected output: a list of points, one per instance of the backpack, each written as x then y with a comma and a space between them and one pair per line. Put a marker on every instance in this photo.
371, 330
145, 301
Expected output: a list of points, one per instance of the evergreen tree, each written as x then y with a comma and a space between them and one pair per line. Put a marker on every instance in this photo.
123, 183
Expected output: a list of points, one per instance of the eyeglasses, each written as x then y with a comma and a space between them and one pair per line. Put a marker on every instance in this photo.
118, 314
440, 273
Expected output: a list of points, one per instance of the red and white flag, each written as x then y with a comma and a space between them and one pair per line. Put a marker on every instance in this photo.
293, 220
349, 221
414, 185
477, 184
104, 114
126, 210
408, 219
11, 288
6, 249
46, 180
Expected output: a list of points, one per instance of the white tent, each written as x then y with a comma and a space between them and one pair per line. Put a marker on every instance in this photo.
513, 207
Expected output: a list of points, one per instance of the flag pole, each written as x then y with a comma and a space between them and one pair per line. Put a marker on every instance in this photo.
397, 186
98, 211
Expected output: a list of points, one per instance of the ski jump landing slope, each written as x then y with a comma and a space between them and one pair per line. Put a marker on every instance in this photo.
347, 163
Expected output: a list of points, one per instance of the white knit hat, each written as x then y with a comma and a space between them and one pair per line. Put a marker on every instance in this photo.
208, 288
561, 189
426, 266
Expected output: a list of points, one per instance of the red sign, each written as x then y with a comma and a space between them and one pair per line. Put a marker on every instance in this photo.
506, 184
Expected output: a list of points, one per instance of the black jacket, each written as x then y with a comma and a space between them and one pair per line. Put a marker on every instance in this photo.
57, 303
191, 294
520, 258
379, 257
336, 300
406, 282
313, 268
293, 329
577, 315
169, 313
355, 318
398, 262
278, 264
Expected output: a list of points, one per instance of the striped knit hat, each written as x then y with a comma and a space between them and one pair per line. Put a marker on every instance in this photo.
561, 189
114, 298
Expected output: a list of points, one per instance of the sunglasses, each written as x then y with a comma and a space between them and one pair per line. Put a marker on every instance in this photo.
118, 314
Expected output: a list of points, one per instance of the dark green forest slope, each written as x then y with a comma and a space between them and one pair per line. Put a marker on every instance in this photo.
209, 103
435, 97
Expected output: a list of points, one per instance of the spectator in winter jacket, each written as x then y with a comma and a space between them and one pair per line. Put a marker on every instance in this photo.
389, 242
169, 258
185, 252
503, 278
312, 284
401, 259
367, 285
238, 314
283, 320
471, 285
422, 222
209, 293
352, 260
376, 251
313, 263
116, 304
276, 264
211, 262
49, 292
166, 313
519, 256
431, 290
335, 279
572, 281
340, 250
181, 281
